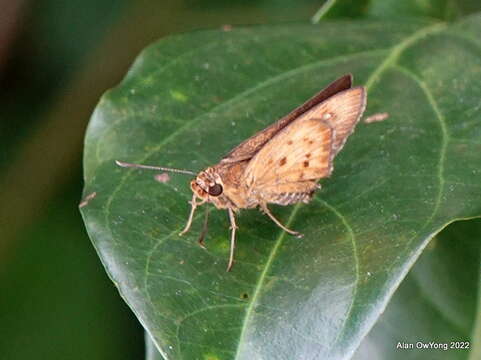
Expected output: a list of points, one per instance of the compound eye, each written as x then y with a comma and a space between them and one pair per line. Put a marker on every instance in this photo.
215, 190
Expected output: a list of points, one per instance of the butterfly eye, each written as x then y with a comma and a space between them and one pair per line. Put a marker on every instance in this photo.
215, 190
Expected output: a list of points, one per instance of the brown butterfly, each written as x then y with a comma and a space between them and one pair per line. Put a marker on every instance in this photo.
282, 163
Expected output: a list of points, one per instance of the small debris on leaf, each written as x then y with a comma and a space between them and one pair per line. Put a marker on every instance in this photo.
162, 178
87, 199
376, 117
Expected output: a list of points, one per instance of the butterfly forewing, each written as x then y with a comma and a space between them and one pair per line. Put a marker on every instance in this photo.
304, 150
300, 152
248, 148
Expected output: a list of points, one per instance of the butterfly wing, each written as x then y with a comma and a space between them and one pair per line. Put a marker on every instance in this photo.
304, 150
252, 145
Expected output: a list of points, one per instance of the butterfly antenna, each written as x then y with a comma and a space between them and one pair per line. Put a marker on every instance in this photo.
150, 167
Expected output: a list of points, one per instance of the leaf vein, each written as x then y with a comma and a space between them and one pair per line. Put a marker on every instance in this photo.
444, 135
260, 281
352, 237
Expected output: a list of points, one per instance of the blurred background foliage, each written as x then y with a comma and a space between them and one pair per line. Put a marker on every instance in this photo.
56, 59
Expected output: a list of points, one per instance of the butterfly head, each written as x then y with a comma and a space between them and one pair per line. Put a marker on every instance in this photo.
208, 186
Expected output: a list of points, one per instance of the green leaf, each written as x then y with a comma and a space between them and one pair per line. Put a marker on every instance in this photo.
190, 98
437, 302
335, 9
437, 9
151, 352
394, 9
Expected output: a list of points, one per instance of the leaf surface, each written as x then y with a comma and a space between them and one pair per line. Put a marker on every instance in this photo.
436, 305
446, 10
189, 99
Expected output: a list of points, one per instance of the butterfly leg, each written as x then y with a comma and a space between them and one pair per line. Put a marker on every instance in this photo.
201, 238
233, 227
193, 204
266, 211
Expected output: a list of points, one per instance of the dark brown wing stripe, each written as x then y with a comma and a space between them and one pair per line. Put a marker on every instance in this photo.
252, 145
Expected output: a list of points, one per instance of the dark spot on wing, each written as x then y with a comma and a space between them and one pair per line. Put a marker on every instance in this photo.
306, 163
308, 155
289, 142
283, 161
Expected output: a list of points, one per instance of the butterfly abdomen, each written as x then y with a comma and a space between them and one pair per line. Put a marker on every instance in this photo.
291, 198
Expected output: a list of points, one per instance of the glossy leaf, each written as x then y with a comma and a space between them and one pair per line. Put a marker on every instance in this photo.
335, 9
190, 98
436, 305
151, 351
438, 9
446, 10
